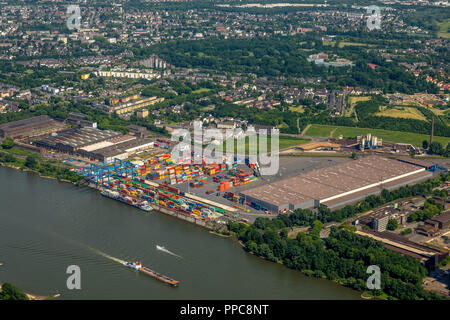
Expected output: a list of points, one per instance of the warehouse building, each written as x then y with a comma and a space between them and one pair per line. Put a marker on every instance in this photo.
122, 150
29, 127
429, 257
79, 119
319, 146
434, 226
72, 140
336, 186
429, 165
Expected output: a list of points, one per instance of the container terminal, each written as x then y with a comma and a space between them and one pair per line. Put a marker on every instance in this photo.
218, 190
151, 185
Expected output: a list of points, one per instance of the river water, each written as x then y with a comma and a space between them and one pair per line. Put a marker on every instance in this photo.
46, 226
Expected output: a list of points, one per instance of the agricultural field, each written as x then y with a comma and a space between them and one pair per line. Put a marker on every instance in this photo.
401, 112
438, 112
444, 28
387, 135
283, 143
352, 101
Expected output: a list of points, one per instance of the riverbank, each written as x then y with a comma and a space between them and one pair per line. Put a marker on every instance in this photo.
221, 235
36, 297
363, 294
38, 173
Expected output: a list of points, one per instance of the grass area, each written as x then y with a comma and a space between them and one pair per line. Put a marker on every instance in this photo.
354, 44
299, 109
319, 130
352, 100
208, 108
387, 135
345, 44
401, 112
283, 142
18, 151
444, 29
439, 112
201, 90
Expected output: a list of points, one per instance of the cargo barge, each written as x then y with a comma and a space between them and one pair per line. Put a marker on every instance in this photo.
128, 200
138, 266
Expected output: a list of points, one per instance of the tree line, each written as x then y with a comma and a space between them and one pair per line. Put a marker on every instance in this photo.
343, 257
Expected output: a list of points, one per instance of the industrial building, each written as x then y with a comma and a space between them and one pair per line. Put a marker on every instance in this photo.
429, 165
101, 145
399, 211
429, 257
74, 139
320, 146
336, 186
79, 119
29, 127
434, 226
122, 150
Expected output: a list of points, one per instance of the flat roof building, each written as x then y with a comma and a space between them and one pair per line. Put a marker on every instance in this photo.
29, 127
427, 256
74, 139
419, 162
120, 151
336, 186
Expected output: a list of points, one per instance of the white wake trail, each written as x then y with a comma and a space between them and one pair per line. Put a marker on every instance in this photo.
107, 256
160, 248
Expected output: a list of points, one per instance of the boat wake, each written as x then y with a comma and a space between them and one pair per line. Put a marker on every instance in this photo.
108, 256
160, 248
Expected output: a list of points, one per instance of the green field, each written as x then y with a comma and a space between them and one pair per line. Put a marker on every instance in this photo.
444, 29
201, 90
317, 130
401, 112
284, 142
387, 135
354, 44
352, 101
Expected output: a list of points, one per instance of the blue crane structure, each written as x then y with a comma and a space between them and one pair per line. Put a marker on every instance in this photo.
99, 172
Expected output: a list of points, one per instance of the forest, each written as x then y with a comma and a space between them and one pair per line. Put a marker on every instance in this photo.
343, 257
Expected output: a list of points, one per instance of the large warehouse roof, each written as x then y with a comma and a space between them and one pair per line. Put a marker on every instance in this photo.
340, 181
78, 137
278, 196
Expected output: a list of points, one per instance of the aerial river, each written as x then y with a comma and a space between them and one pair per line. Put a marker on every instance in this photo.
46, 226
